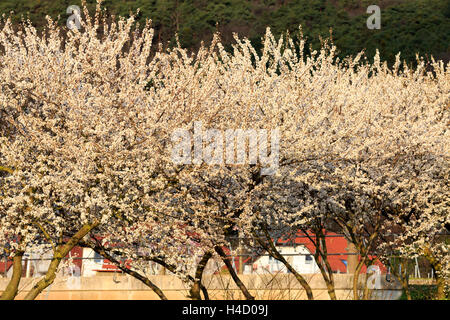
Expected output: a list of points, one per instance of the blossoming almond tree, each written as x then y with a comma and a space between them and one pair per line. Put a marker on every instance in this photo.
83, 150
345, 140
87, 138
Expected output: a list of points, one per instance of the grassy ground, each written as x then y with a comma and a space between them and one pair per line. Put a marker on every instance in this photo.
422, 292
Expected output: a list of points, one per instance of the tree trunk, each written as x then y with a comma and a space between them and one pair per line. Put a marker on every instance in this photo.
172, 269
273, 252
356, 278
196, 286
298, 276
331, 291
440, 282
404, 278
101, 251
326, 271
363, 253
437, 268
58, 255
328, 278
13, 285
367, 292
233, 274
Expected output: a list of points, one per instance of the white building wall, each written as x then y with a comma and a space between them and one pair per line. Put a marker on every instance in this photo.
91, 262
296, 256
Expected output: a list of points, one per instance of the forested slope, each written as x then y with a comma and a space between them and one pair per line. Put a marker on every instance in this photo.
408, 26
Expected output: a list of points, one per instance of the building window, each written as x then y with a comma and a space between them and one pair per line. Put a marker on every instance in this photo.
308, 259
98, 258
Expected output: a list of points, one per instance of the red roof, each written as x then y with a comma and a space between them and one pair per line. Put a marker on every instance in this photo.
336, 249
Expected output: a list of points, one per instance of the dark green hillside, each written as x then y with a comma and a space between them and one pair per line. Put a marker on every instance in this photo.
408, 26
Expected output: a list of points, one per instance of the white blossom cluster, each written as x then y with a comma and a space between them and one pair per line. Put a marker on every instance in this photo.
86, 122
